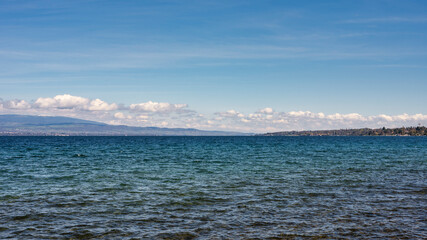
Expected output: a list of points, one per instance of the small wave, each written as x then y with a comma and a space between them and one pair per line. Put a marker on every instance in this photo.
9, 197
80, 155
21, 217
176, 236
83, 234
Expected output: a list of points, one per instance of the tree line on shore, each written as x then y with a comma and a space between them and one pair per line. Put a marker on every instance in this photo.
403, 131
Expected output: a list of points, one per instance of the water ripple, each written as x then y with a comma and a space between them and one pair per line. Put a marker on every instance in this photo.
213, 187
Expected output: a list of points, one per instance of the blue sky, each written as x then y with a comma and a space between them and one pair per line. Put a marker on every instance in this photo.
364, 57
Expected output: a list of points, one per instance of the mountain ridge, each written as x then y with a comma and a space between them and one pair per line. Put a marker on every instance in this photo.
32, 125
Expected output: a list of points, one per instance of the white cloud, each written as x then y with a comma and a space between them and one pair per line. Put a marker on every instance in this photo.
119, 115
266, 110
16, 104
420, 117
306, 114
299, 113
99, 105
280, 121
61, 101
158, 114
350, 116
254, 115
67, 101
157, 107
306, 120
230, 114
400, 118
385, 117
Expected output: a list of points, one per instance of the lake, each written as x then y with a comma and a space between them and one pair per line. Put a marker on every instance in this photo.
213, 187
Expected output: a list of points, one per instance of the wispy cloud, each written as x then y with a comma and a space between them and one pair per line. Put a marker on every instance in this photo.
19, 63
388, 20
398, 66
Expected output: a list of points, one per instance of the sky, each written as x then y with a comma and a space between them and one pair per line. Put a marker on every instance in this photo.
252, 66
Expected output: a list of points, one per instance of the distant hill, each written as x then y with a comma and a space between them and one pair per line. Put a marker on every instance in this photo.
409, 131
27, 125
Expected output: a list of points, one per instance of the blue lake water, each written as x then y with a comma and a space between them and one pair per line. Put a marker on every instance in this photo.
213, 187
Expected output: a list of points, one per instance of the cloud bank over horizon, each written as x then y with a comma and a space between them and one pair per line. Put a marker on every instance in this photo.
179, 115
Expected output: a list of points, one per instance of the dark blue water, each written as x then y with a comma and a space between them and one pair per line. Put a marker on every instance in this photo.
213, 187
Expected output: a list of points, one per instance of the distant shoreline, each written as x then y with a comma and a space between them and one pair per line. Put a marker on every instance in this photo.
28, 125
403, 131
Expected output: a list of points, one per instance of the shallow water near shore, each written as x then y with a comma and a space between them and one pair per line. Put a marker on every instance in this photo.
213, 187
